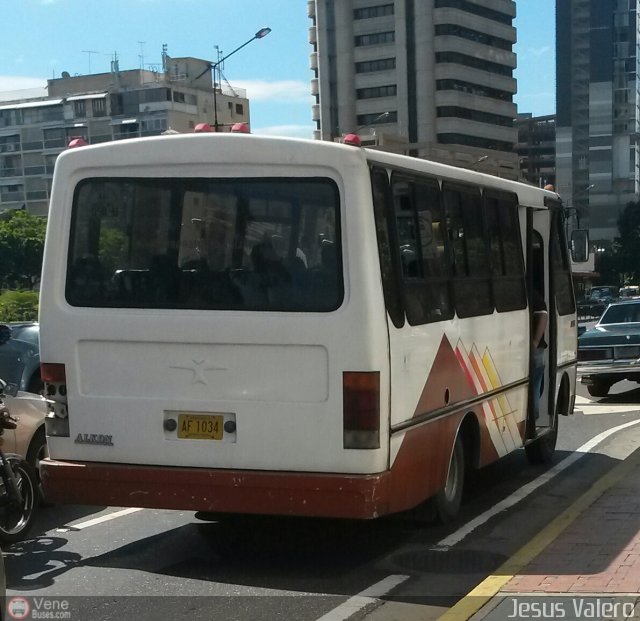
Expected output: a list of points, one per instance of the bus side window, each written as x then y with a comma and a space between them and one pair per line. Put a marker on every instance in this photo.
472, 291
423, 252
507, 264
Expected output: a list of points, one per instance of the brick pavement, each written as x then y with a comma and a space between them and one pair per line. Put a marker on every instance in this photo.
588, 556
599, 552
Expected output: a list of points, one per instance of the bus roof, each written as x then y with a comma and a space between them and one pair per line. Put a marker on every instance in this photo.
182, 148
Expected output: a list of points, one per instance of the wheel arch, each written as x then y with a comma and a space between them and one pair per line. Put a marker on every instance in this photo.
563, 398
469, 429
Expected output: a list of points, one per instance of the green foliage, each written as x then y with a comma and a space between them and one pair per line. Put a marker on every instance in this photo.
21, 248
18, 306
113, 248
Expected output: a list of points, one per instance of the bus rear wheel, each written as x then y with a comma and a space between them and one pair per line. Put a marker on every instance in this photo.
447, 501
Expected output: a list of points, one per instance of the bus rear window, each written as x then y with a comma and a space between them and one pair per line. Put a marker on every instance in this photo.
270, 244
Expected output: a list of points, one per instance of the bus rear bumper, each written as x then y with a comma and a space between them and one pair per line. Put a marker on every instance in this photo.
216, 491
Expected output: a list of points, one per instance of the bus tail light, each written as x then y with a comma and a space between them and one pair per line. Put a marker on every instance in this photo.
361, 409
54, 377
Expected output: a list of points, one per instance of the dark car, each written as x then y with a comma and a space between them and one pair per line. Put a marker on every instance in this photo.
610, 351
594, 304
20, 357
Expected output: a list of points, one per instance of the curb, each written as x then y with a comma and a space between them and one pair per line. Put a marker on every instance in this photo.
481, 595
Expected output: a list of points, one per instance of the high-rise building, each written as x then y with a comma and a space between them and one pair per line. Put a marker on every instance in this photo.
433, 78
537, 148
102, 107
597, 119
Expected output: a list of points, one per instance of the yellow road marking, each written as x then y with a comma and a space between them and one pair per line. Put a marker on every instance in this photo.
473, 601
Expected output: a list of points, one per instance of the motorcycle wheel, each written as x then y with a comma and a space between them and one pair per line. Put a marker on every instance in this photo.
16, 520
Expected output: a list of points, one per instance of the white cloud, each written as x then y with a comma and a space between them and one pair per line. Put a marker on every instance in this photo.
15, 83
539, 51
289, 91
17, 87
290, 131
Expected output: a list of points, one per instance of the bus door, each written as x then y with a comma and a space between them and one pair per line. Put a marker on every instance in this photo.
541, 384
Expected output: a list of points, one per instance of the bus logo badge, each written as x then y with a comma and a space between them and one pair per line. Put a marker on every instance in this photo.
197, 368
94, 438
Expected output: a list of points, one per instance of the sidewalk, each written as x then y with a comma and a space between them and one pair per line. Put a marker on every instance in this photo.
584, 565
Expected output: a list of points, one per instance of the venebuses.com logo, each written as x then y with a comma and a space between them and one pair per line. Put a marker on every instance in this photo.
19, 608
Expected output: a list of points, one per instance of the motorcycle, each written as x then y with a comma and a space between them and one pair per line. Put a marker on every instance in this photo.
19, 486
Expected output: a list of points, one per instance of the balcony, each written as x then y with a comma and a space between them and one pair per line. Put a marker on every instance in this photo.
33, 170
12, 197
313, 35
313, 61
10, 172
315, 87
9, 147
56, 143
37, 195
311, 8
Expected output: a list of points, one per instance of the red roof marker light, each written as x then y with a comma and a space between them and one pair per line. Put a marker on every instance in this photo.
353, 140
77, 141
202, 128
240, 128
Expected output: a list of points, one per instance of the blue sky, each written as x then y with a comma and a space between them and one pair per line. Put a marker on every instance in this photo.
42, 38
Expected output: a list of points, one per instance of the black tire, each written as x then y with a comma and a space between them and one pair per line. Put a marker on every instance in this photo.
37, 451
16, 521
447, 501
542, 449
598, 389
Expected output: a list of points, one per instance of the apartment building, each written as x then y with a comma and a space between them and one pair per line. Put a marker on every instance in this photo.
536, 148
598, 117
99, 108
432, 78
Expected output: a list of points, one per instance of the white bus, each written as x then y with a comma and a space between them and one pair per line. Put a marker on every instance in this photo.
244, 324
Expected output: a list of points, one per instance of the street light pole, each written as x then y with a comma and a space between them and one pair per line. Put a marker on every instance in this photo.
263, 32
578, 208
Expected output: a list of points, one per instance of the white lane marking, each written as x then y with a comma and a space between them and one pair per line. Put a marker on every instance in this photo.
527, 489
370, 595
103, 518
590, 408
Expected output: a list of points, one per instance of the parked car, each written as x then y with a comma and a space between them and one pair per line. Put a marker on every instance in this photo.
630, 291
610, 351
20, 357
596, 301
28, 439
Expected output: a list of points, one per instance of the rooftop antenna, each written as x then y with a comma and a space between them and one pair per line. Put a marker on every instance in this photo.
217, 69
141, 56
88, 53
164, 57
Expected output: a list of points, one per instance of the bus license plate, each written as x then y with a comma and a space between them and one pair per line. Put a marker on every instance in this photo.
200, 426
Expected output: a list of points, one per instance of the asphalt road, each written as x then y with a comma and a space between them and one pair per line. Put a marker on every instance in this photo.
149, 564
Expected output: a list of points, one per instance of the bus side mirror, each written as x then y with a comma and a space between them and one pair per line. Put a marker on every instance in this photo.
580, 245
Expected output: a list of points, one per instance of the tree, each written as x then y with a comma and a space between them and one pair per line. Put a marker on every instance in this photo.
18, 306
21, 248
